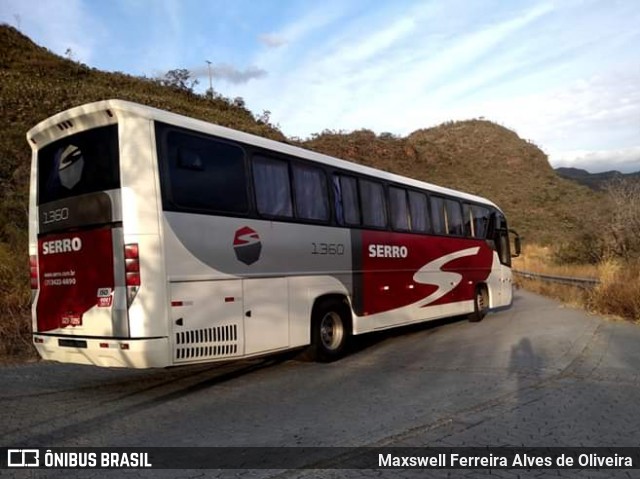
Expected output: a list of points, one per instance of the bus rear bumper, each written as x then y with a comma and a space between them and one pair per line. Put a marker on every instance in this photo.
119, 353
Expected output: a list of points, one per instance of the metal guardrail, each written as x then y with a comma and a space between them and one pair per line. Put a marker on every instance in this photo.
580, 282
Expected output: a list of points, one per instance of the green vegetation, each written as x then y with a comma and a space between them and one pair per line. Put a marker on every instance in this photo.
476, 156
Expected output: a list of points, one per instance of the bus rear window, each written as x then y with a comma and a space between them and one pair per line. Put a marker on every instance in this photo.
87, 162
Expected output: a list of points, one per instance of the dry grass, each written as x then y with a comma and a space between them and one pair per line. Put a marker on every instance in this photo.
619, 290
15, 327
618, 293
571, 295
539, 259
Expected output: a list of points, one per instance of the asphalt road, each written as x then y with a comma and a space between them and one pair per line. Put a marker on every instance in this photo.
537, 374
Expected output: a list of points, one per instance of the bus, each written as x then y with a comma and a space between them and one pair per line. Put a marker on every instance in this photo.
158, 240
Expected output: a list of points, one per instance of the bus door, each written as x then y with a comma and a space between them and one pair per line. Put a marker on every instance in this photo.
504, 255
506, 280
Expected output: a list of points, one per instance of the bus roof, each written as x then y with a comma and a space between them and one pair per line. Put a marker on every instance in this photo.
205, 127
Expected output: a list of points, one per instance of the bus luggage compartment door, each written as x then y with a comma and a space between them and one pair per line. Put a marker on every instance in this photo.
266, 314
207, 320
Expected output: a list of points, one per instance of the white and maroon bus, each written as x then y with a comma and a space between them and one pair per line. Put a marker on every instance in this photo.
158, 240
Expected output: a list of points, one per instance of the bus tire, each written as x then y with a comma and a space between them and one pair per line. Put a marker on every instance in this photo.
480, 304
330, 330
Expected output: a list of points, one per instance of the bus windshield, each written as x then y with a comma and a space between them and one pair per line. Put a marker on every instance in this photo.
86, 162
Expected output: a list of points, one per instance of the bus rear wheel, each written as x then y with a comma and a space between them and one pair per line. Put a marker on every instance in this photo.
330, 330
480, 304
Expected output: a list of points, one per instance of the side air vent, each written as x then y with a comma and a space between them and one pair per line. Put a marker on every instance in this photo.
207, 343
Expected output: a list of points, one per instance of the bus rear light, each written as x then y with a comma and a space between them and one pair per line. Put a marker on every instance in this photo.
38, 340
131, 265
124, 346
131, 251
132, 270
104, 345
33, 266
133, 279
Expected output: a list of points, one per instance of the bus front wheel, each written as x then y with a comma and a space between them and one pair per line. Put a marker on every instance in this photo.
480, 304
330, 330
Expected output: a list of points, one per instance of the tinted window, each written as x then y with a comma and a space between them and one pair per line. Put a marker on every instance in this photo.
202, 173
374, 210
271, 183
504, 251
438, 215
310, 187
467, 217
419, 212
348, 209
455, 225
481, 217
86, 162
399, 209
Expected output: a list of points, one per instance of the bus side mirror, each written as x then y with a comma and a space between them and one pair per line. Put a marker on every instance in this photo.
517, 243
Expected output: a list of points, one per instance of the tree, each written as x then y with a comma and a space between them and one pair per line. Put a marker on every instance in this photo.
180, 79
265, 117
239, 102
621, 232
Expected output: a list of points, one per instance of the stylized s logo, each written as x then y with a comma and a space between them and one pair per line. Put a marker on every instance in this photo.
446, 281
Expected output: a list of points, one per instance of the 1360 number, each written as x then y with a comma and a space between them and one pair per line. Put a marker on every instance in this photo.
54, 216
336, 249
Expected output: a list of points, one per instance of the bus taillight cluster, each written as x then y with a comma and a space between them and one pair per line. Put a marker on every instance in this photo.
132, 270
132, 264
33, 264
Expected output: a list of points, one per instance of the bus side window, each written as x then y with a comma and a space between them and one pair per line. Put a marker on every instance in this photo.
374, 209
399, 209
481, 217
467, 215
203, 174
350, 203
419, 212
272, 186
337, 198
310, 188
455, 224
438, 215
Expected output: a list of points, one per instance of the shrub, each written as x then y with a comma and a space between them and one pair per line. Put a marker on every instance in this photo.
619, 290
585, 249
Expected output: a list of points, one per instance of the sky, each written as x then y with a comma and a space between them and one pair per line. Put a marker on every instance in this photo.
564, 75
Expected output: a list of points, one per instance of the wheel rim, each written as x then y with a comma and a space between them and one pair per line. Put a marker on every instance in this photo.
331, 331
480, 301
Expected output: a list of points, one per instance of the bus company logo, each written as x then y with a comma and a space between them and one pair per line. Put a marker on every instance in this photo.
70, 166
66, 245
247, 245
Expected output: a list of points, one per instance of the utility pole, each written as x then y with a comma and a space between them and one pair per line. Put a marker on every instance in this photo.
210, 80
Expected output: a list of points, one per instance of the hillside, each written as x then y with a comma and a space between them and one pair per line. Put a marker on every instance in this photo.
595, 181
476, 156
